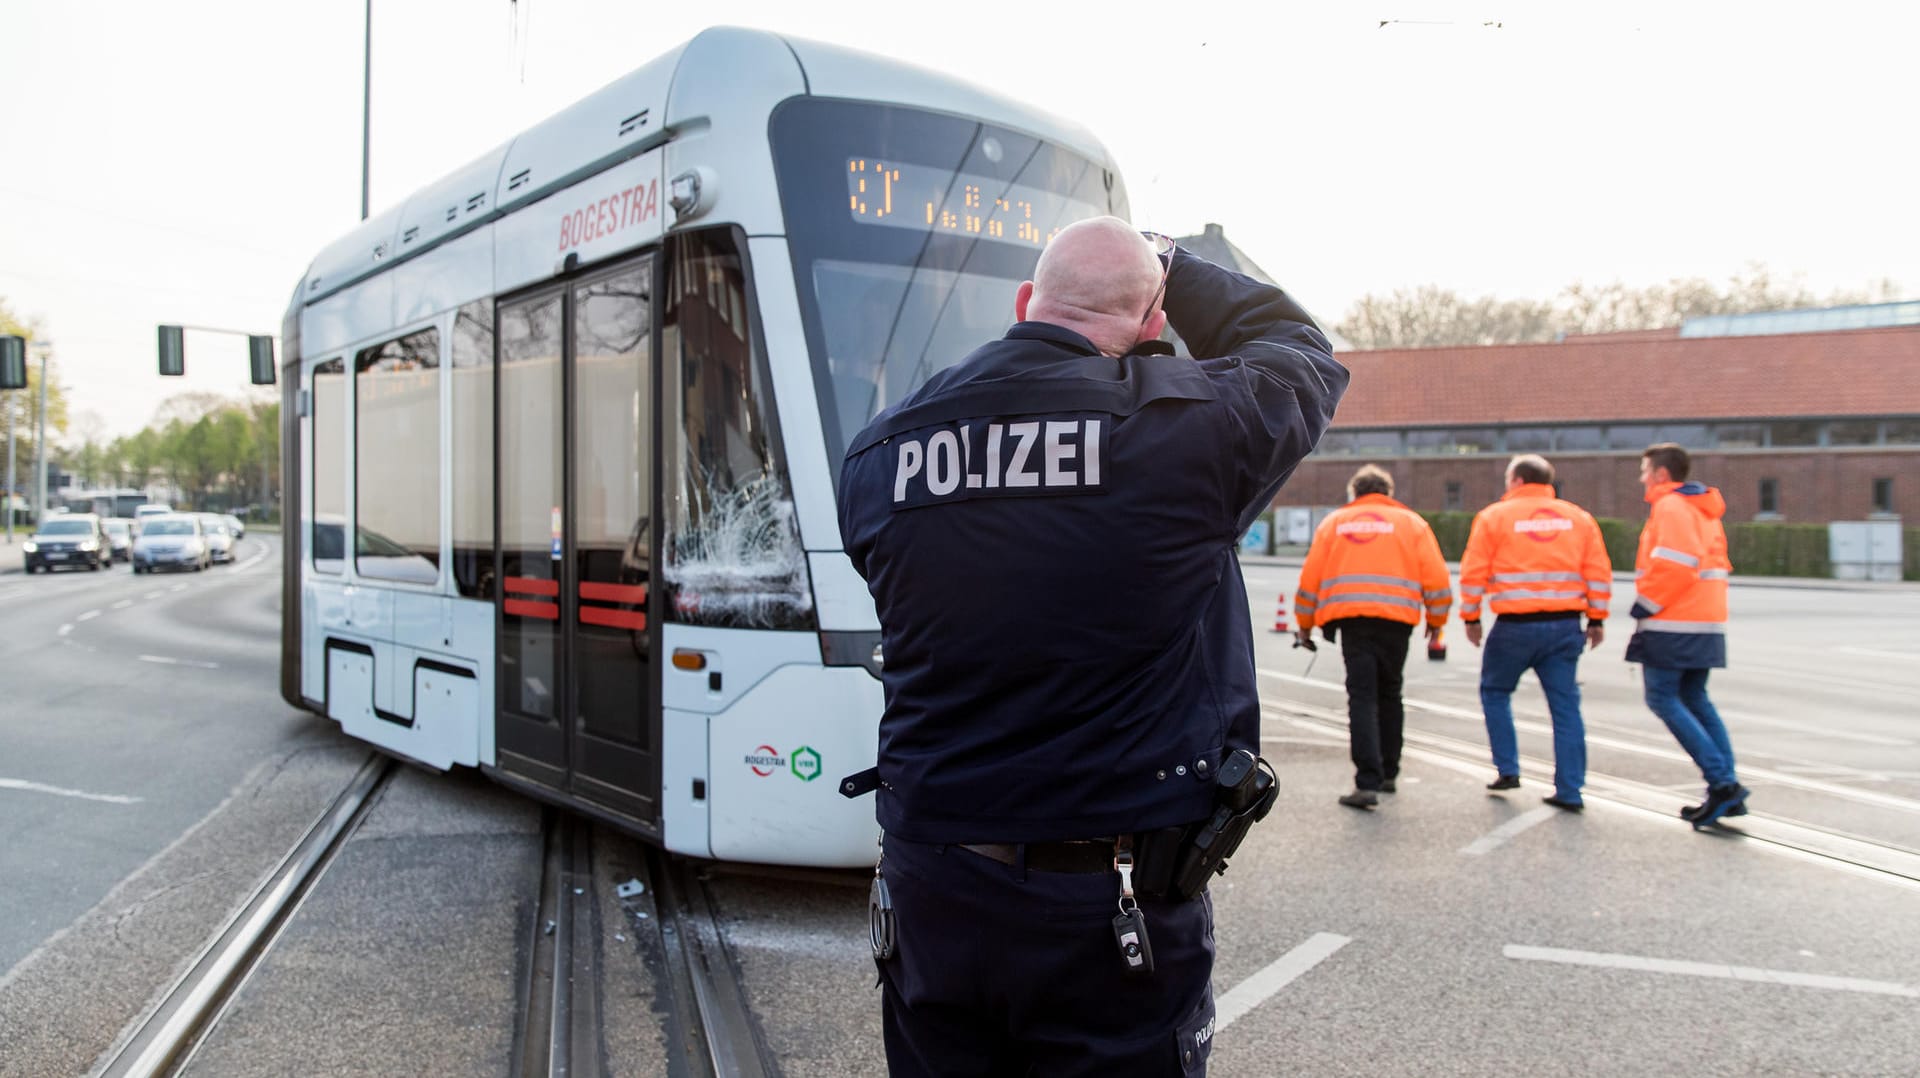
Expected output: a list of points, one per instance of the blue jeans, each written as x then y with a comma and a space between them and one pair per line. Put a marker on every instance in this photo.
1550, 649
1679, 697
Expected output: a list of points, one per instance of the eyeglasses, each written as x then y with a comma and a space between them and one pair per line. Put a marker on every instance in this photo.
1163, 250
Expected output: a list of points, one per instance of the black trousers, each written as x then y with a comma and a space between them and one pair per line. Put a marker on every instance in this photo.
1003, 972
1375, 651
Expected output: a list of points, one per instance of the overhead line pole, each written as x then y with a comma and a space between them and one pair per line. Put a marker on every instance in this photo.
366, 114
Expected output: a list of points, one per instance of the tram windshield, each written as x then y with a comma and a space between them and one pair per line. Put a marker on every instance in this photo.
910, 232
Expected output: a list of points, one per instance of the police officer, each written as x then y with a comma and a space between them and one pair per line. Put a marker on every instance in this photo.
1048, 529
1375, 569
1538, 562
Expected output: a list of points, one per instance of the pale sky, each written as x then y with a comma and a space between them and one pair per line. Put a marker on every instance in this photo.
184, 162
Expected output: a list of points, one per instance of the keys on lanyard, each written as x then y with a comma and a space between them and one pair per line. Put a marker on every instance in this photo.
1130, 927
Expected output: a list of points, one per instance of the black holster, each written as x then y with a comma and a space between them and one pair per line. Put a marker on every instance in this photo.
1178, 862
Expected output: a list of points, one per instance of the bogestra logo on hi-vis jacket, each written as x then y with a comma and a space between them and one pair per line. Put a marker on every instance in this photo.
1373, 558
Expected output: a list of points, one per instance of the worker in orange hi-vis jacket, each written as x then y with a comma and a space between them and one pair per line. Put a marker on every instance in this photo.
1680, 620
1373, 573
1538, 562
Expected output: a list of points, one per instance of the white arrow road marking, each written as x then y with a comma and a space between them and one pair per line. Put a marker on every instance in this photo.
165, 661
61, 791
1708, 969
1258, 988
1498, 837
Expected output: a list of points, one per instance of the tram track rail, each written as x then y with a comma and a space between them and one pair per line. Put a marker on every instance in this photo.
707, 1024
163, 1041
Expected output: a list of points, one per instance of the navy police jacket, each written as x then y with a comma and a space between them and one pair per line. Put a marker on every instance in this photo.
1050, 537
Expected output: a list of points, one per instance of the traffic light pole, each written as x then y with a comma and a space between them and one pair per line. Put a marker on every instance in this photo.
10, 478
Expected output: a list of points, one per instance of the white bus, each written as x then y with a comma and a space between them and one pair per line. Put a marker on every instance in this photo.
581, 407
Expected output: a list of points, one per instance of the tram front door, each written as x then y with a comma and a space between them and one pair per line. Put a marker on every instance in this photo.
575, 496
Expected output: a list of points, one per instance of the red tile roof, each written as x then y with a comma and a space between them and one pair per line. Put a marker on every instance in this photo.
1637, 377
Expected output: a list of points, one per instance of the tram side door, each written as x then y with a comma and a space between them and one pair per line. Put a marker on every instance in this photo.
575, 476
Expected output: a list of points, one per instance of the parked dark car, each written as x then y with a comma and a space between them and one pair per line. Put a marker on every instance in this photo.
70, 539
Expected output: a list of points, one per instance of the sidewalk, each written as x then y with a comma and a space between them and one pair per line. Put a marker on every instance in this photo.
11, 556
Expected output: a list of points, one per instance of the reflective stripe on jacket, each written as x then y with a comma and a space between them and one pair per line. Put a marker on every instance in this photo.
1373, 558
1681, 573
1532, 553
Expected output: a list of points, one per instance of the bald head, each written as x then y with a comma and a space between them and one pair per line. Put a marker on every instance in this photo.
1097, 278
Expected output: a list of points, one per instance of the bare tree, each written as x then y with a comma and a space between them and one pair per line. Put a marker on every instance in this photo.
1431, 317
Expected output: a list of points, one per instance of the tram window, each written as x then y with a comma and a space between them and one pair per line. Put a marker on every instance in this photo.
732, 552
472, 419
396, 388
329, 465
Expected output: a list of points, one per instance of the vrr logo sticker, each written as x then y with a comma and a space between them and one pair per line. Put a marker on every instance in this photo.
806, 764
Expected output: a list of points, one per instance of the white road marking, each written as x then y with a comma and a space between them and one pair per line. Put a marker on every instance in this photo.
165, 661
178, 587
1708, 969
1258, 988
112, 897
1499, 836
152, 595
1876, 653
1824, 732
122, 604
67, 628
1747, 771
88, 616
61, 791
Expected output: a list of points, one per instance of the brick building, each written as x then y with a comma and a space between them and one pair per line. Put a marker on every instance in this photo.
1791, 419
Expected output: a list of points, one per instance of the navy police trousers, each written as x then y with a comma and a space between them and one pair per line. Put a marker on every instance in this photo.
1005, 971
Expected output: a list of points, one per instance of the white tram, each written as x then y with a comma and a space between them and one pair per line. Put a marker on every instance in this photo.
581, 406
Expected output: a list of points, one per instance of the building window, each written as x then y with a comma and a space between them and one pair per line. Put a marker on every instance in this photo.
1690, 435
1453, 498
1740, 435
1883, 495
1579, 439
1529, 439
1903, 431
1770, 496
1450, 442
1795, 432
1631, 437
1853, 432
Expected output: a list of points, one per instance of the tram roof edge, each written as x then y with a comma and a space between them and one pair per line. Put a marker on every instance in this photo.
630, 115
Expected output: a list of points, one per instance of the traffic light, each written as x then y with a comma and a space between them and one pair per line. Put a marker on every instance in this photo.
260, 355
173, 351
13, 363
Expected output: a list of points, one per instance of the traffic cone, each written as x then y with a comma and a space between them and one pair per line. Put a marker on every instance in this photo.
1437, 647
1280, 616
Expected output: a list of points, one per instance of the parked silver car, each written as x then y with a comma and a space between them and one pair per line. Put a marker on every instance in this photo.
219, 536
120, 537
173, 541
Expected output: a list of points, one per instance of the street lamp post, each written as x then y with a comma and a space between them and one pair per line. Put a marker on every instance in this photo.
40, 439
10, 478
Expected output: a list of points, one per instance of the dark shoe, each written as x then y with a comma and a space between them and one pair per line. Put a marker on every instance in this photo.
1570, 806
1690, 811
1360, 799
1720, 801
1387, 787
1505, 782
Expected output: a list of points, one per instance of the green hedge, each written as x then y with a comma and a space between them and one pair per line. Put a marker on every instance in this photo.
1779, 550
1754, 549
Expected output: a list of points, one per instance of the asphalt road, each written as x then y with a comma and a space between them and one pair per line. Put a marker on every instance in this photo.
150, 776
